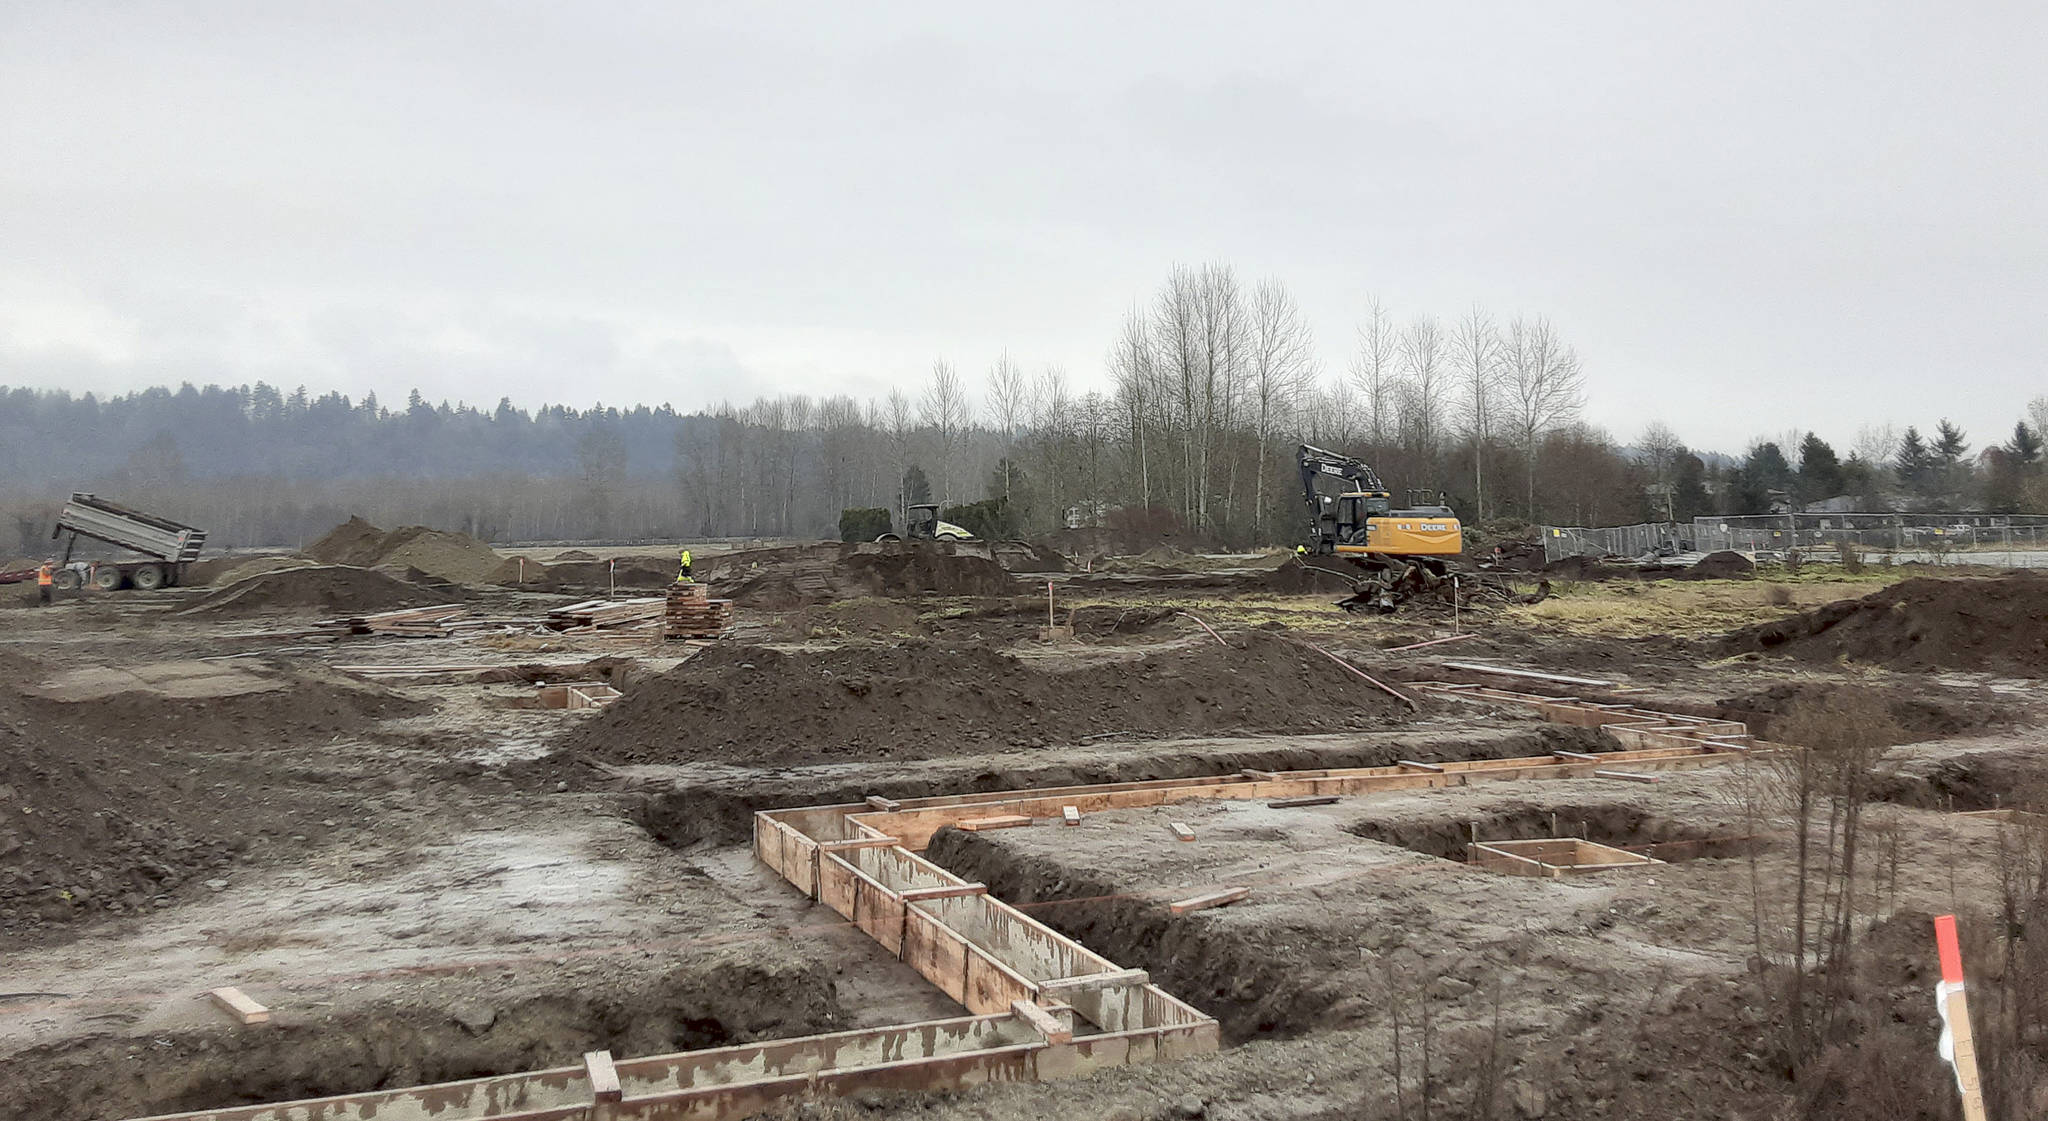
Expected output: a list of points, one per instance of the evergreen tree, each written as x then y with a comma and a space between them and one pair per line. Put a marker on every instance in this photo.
917, 489
1949, 444
2025, 446
1820, 470
1914, 462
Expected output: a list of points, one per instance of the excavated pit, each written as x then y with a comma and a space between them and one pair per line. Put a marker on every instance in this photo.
1614, 825
300, 1056
1225, 974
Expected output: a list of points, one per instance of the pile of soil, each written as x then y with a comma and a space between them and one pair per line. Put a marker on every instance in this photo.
1723, 565
1915, 717
89, 825
1321, 575
651, 573
1586, 568
329, 588
1027, 556
753, 705
1997, 624
456, 557
825, 574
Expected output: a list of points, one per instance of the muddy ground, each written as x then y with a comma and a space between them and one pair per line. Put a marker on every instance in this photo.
427, 879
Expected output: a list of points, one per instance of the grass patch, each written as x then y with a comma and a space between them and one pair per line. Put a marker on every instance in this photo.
1687, 609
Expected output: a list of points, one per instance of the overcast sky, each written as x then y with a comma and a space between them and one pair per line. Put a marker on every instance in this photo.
1748, 217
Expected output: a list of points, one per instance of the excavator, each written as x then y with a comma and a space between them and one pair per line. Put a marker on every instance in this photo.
1396, 551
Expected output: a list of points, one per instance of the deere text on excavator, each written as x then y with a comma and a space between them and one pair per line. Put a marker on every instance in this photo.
1397, 550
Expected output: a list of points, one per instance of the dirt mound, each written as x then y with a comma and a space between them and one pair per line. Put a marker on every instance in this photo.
1723, 565
825, 574
1913, 716
1027, 556
1297, 577
1586, 568
329, 588
573, 556
749, 704
354, 542
456, 557
1997, 624
627, 572
212, 703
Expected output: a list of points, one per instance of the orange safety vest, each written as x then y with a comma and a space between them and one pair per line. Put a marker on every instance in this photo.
45, 576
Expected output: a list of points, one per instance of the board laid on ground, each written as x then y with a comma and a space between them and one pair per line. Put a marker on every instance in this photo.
1040, 1005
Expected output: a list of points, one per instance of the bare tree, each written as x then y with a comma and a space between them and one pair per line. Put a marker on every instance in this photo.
944, 410
1877, 443
902, 428
1008, 396
1545, 388
1376, 370
1476, 355
1427, 383
1661, 448
1131, 365
1283, 366
2037, 413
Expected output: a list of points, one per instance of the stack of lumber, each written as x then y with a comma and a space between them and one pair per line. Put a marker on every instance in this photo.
606, 614
414, 622
692, 613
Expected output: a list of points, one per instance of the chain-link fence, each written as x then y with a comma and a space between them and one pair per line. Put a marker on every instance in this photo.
1996, 540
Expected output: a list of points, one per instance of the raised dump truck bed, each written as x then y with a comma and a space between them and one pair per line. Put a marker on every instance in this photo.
169, 545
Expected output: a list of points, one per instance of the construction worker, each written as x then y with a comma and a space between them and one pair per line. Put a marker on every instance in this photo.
1301, 550
46, 581
683, 577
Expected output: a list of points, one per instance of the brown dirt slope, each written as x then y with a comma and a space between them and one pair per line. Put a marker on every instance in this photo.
331, 588
1997, 624
921, 700
795, 578
449, 556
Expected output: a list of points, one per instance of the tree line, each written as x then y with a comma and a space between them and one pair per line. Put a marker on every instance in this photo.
1207, 388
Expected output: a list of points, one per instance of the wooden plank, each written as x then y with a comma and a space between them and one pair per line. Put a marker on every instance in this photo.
859, 843
1222, 898
1260, 776
1041, 1022
1504, 671
1000, 821
1412, 765
236, 1003
1071, 814
1631, 776
1088, 982
1292, 803
883, 805
604, 1077
1576, 756
1181, 831
944, 891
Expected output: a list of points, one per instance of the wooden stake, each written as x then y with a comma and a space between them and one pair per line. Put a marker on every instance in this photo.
1962, 1042
1072, 814
1223, 898
236, 1003
604, 1077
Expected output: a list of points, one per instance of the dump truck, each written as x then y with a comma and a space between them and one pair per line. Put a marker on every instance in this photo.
168, 546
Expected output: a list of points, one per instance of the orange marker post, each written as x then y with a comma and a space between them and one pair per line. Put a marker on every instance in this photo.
1957, 1045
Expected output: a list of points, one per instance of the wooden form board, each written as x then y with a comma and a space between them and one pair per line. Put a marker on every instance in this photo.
602, 1075
236, 1003
1000, 821
1203, 902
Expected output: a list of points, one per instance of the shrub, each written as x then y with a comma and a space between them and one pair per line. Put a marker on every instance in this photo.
864, 524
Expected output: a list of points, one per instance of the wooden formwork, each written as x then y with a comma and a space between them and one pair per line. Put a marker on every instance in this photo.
1041, 1005
1553, 857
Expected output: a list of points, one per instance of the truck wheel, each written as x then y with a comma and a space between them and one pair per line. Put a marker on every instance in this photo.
107, 579
149, 577
66, 580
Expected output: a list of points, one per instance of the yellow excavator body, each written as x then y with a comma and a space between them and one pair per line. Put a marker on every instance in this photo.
1406, 534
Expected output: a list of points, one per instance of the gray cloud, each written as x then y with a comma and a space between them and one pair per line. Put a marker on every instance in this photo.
1747, 217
